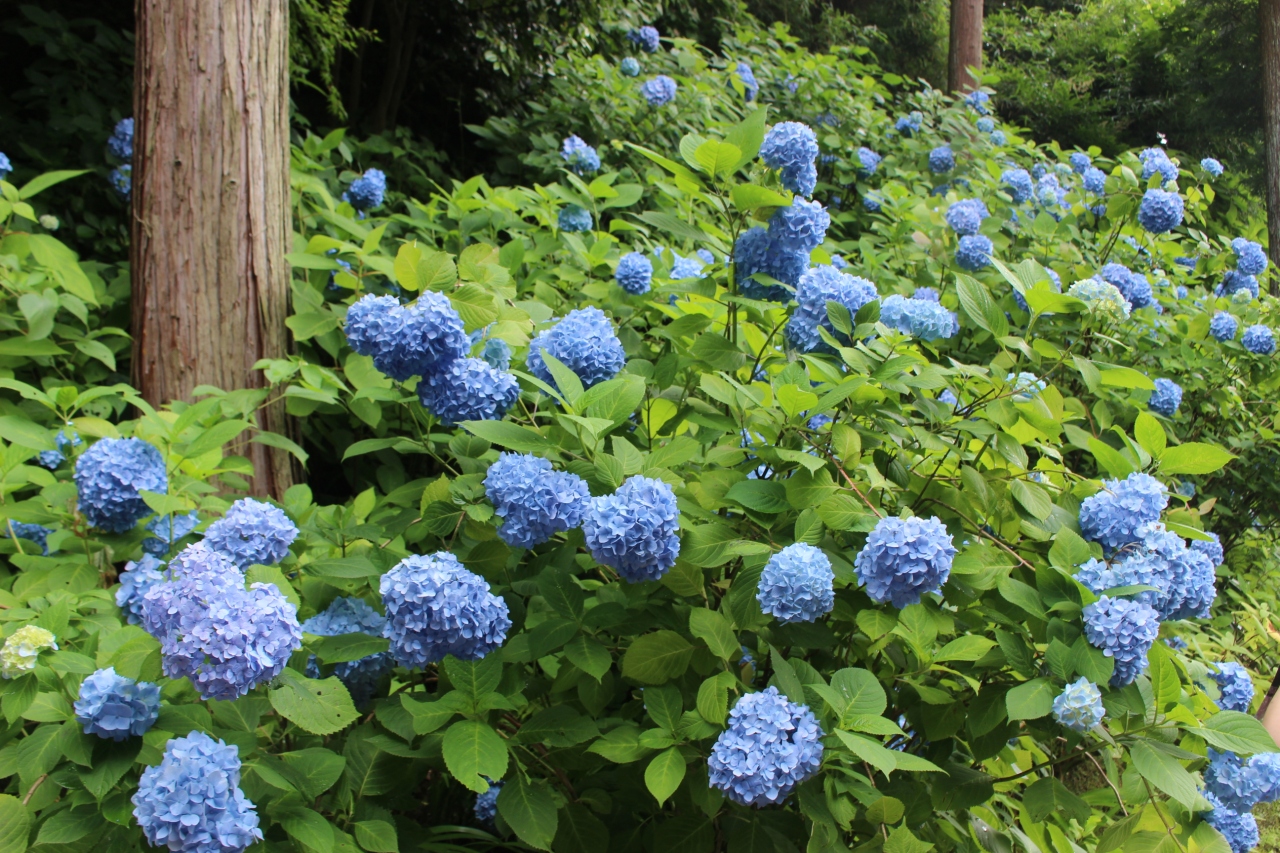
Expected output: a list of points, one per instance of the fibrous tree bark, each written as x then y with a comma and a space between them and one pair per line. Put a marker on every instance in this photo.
211, 203
1269, 28
966, 44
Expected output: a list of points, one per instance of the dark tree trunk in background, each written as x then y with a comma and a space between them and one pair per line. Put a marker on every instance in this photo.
211, 203
1269, 27
966, 44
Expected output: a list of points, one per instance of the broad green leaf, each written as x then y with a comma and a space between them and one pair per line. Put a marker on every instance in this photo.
529, 810
214, 437
377, 836
1237, 732
589, 656
747, 197
347, 647
41, 183
713, 629
322, 707
509, 435
1150, 434
760, 495
69, 825
473, 751
1194, 457
1126, 377
315, 769
1030, 700
657, 658
24, 433
429, 716
717, 158
664, 774
1111, 460
883, 759
970, 647
309, 828
1165, 772
1048, 796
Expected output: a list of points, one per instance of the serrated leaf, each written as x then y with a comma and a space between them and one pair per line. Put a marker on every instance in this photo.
473, 751
321, 706
530, 811
664, 774
1030, 700
657, 658
713, 629
1194, 457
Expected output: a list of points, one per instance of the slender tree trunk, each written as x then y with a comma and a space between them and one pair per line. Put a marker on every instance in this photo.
1269, 27
966, 44
211, 203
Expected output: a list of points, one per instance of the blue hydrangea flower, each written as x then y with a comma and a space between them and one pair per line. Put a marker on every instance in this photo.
756, 252
791, 148
1233, 282
1025, 385
868, 162
1187, 581
690, 267
629, 67
1114, 515
580, 157
921, 318
1239, 784
35, 533
941, 159
372, 323
998, 137
1211, 549
1212, 166
1250, 259
430, 337
121, 180
468, 390
196, 574
1240, 829
1124, 630
168, 529
965, 216
749, 84
135, 580
818, 286
973, 252
634, 273
771, 745
1178, 644
1079, 705
800, 227
1155, 160
796, 585
534, 501
435, 607
872, 202
366, 192
1259, 340
1180, 292
6, 167
497, 354
114, 707
110, 475
1186, 488
486, 807
252, 532
1166, 398
1235, 686
946, 395
659, 90
191, 801
1160, 211
909, 125
905, 559
977, 101
1018, 183
817, 422
120, 143
646, 38
634, 530
1133, 568
1133, 286
1185, 261
574, 218
929, 294
1223, 326
1079, 161
351, 616
1094, 180
986, 124
585, 342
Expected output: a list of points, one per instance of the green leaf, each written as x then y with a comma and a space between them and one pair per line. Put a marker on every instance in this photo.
664, 774
472, 751
1046, 797
1165, 772
589, 656
310, 324
717, 158
747, 197
42, 182
1150, 434
1110, 459
1165, 687
309, 828
657, 658
529, 810
615, 400
1033, 498
474, 679
566, 381
760, 495
713, 629
1030, 700
22, 346
748, 136
322, 707
377, 836
902, 840
509, 435
1024, 596
977, 303
347, 647
315, 770
429, 716
868, 750
1127, 377
970, 647
70, 825
1194, 457
24, 433
859, 691
1237, 732
214, 437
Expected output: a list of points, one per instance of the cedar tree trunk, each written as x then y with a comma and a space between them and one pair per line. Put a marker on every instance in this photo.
966, 44
1269, 27
211, 204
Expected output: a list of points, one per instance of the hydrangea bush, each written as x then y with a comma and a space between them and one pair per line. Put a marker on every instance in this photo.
872, 530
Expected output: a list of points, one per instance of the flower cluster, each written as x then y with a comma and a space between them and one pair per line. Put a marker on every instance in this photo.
634, 273
800, 227
634, 529
252, 532
757, 252
750, 88
770, 746
690, 267
497, 354
135, 580
1234, 281
1259, 340
1250, 259
868, 161
416, 340
114, 707
120, 143
1080, 162
486, 807
941, 160
580, 157
1132, 285
965, 216
646, 38
973, 252
1103, 298
921, 318
818, 286
1018, 183
629, 67
1166, 398
35, 533
191, 801
905, 559
977, 101
1155, 160
21, 649
1242, 784
584, 341
659, 90
121, 180
1114, 515
6, 166
469, 389
910, 124
435, 607
573, 218
1124, 630
1223, 326
168, 530
1094, 180
1235, 686
66, 439
110, 475
792, 149
1160, 211
351, 616
796, 584
1079, 706
534, 501
366, 192
1025, 385
1211, 549
1240, 829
